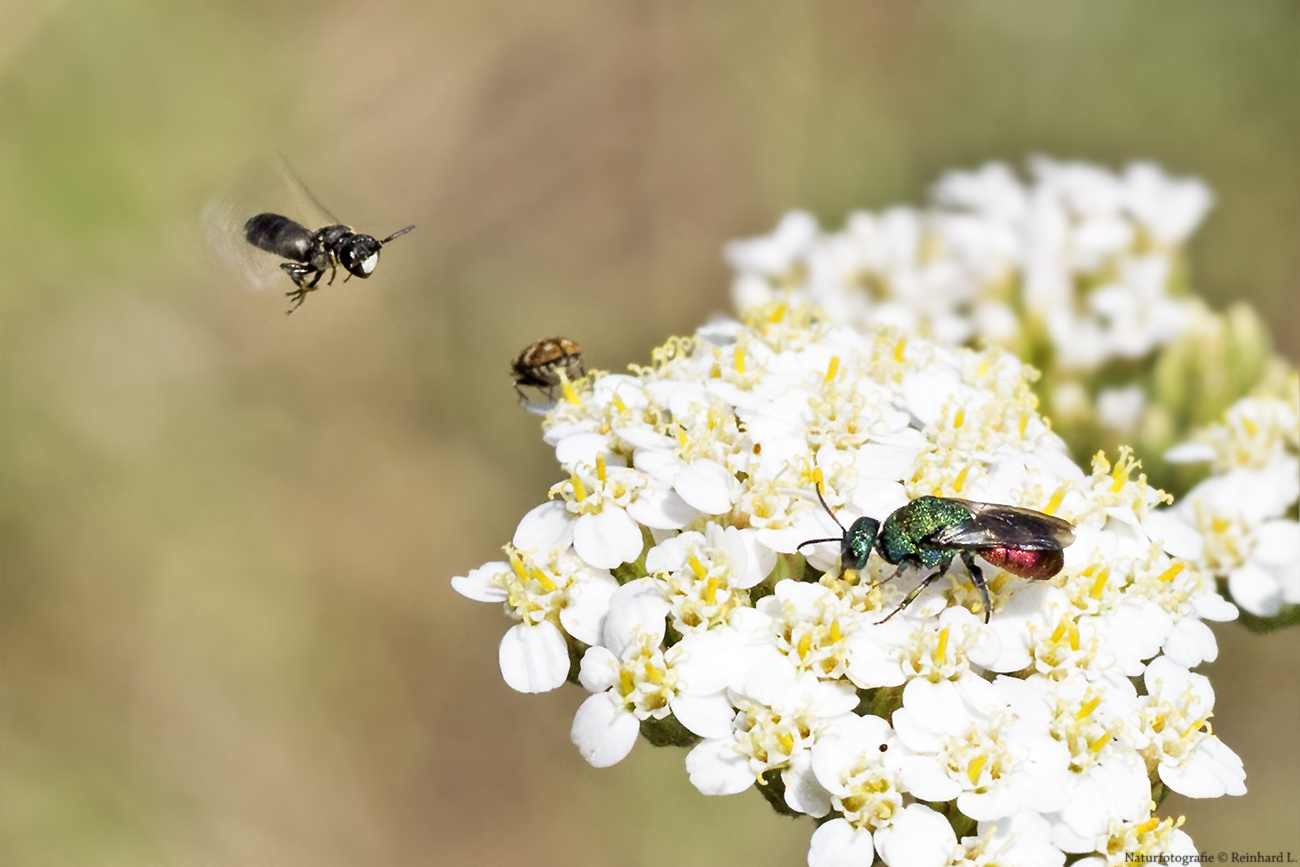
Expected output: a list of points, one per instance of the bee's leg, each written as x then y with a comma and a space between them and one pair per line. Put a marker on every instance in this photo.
977, 578
916, 591
299, 273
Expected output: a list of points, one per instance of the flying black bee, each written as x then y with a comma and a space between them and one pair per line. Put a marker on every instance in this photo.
930, 532
271, 186
540, 364
312, 253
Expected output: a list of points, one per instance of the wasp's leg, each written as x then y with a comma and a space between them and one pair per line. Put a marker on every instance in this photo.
897, 572
977, 578
910, 597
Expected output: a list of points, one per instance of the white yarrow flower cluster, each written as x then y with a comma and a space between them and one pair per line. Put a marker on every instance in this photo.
664, 575
1246, 509
1083, 258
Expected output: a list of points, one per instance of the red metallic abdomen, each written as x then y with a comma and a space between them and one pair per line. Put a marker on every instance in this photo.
1026, 564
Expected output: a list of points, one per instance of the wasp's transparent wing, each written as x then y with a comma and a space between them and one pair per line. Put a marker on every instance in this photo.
994, 526
266, 185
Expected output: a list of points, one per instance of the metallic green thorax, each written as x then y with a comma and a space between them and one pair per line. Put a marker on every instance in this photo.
904, 534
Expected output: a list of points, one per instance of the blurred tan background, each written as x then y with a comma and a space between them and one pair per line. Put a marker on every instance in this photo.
226, 631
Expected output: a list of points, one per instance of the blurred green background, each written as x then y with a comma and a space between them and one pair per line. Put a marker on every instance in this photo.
227, 635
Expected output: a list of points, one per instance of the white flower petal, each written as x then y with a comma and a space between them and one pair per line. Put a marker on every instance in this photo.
582, 448
534, 658
802, 791
709, 716
599, 669
839, 844
918, 837
607, 538
716, 768
588, 602
479, 584
705, 485
545, 528
662, 510
603, 731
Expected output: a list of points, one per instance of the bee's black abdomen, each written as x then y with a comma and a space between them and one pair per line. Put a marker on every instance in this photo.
279, 235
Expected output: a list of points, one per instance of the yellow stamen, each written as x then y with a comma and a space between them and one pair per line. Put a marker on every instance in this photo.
836, 635
786, 741
1146, 827
625, 681
1024, 424
973, 770
1074, 637
805, 645
579, 492
999, 582
697, 567
1100, 584
898, 349
1095, 746
740, 359
1121, 473
600, 467
542, 578
1251, 428
570, 393
985, 365
941, 651
778, 313
1171, 573
817, 477
1055, 503
960, 418
832, 369
618, 403
1220, 525
653, 674
1088, 707
960, 482
1059, 632
710, 594
1191, 728
517, 563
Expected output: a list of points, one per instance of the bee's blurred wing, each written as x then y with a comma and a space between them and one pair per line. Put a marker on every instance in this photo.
267, 184
222, 222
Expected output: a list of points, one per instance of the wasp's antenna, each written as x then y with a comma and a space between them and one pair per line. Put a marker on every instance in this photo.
399, 233
817, 481
799, 547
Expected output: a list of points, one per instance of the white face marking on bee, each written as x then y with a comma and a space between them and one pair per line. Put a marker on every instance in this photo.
369, 265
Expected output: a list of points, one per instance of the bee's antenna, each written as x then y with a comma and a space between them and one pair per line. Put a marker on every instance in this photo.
399, 233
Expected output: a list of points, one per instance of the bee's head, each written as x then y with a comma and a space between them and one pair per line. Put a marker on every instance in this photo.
360, 255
